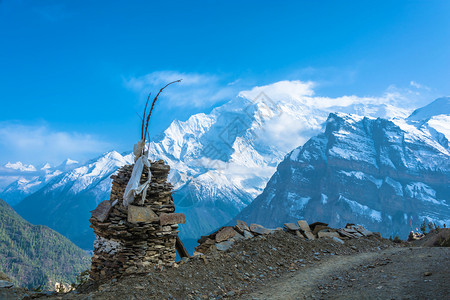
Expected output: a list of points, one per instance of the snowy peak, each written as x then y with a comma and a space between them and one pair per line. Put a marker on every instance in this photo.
380, 173
82, 178
46, 166
440, 106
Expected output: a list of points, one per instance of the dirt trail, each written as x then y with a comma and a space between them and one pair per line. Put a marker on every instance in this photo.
395, 273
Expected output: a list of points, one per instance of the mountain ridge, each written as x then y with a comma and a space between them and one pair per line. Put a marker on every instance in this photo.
398, 173
35, 255
222, 160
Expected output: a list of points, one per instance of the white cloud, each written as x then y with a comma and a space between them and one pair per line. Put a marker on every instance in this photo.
196, 90
292, 90
418, 85
39, 143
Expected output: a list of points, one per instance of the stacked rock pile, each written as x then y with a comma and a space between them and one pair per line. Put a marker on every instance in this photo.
225, 237
133, 239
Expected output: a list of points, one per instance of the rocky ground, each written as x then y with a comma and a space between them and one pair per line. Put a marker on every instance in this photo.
284, 266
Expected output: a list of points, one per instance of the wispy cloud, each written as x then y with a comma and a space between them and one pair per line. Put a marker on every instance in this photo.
198, 90
40, 143
418, 85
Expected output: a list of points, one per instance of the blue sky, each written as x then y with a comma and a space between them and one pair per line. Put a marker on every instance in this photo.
74, 74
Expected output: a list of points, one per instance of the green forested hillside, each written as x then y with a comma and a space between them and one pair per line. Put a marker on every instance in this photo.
34, 255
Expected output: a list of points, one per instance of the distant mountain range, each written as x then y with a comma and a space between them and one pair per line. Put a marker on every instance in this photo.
219, 161
386, 175
65, 201
34, 256
27, 179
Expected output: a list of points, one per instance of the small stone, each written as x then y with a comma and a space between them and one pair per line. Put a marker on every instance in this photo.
256, 228
292, 226
427, 274
303, 225
102, 211
223, 246
247, 234
5, 284
241, 226
225, 233
322, 234
336, 239
141, 214
230, 294
172, 218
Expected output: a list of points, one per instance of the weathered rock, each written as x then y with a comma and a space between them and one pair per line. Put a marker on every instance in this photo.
292, 226
172, 218
237, 237
318, 228
223, 246
102, 211
141, 214
304, 225
313, 225
256, 228
242, 226
322, 234
309, 235
5, 284
225, 233
3, 276
247, 234
346, 234
363, 231
297, 233
336, 239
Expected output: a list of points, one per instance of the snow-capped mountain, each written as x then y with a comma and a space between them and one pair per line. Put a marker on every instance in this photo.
219, 161
19, 180
384, 174
65, 202
435, 115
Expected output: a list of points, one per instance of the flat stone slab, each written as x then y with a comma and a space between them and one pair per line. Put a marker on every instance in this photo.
225, 233
242, 226
322, 234
336, 239
172, 218
304, 225
256, 228
318, 228
313, 225
101, 212
292, 226
247, 234
223, 246
364, 231
346, 234
237, 237
5, 284
141, 214
309, 235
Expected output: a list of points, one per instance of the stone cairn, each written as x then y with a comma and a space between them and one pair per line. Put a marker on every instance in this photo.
135, 238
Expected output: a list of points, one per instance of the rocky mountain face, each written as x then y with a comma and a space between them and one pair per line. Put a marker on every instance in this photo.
219, 161
34, 256
383, 174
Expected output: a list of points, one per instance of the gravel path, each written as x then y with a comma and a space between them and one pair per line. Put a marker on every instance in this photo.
394, 273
